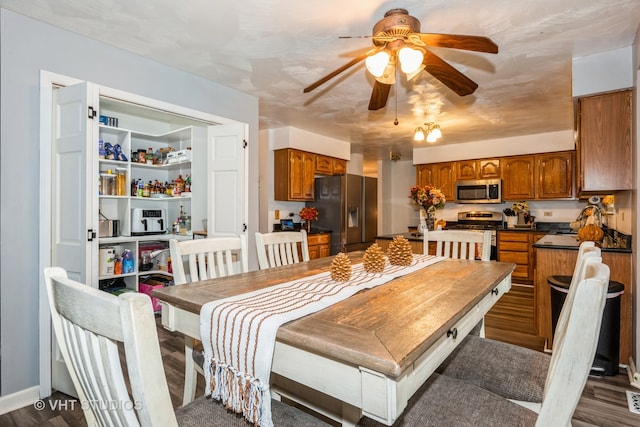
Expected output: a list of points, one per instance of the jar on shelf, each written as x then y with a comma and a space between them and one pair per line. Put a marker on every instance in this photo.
121, 182
108, 183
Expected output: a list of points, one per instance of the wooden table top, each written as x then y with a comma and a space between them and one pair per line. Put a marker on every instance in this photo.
385, 328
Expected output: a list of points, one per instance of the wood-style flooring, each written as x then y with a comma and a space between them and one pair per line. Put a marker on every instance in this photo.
603, 401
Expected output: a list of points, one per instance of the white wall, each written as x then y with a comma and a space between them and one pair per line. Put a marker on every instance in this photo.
26, 47
604, 72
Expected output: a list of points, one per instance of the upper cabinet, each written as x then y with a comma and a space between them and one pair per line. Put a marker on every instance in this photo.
528, 177
604, 142
478, 169
440, 175
518, 181
295, 171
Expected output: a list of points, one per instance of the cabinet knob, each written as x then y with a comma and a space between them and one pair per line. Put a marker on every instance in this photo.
453, 333
495, 291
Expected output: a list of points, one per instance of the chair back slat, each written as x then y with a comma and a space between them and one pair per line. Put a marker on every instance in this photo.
281, 248
208, 258
575, 348
459, 244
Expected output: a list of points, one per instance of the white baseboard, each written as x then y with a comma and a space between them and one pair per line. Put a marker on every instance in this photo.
19, 399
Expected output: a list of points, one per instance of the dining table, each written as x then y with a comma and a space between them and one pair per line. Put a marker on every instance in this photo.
369, 353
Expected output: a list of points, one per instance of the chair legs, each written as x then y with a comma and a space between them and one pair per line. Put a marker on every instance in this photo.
190, 373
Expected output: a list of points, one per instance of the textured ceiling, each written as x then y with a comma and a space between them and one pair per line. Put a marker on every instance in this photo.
274, 48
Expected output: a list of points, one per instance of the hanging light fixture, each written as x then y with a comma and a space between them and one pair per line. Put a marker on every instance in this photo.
431, 134
381, 63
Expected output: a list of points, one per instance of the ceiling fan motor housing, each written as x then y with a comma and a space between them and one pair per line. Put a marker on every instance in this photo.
396, 22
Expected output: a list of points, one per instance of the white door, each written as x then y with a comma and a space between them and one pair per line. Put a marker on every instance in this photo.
72, 198
226, 177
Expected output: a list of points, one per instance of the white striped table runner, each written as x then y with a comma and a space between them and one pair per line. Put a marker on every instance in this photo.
239, 332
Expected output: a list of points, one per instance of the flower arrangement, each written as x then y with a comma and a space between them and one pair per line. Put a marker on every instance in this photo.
428, 197
520, 207
308, 213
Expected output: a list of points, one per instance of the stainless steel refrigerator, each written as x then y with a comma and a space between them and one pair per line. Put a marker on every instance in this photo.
347, 207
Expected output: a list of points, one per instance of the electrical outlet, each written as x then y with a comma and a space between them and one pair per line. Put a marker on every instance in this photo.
547, 213
277, 214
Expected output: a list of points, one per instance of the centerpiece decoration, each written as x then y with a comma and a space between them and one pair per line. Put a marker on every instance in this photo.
522, 211
309, 213
429, 198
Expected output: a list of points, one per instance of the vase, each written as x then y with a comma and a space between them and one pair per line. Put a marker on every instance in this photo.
308, 226
512, 221
430, 219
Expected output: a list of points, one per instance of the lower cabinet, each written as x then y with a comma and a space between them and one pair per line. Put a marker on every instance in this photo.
319, 245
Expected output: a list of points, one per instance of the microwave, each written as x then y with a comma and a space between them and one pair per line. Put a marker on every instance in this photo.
479, 191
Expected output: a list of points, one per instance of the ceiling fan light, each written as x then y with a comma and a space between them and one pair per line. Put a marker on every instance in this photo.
436, 132
431, 137
410, 59
377, 63
419, 134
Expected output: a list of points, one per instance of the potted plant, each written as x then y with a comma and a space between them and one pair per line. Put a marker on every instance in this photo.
512, 217
429, 198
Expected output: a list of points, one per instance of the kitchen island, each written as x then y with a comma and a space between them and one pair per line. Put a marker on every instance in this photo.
556, 254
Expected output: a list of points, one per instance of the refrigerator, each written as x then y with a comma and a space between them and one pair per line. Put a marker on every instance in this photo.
347, 208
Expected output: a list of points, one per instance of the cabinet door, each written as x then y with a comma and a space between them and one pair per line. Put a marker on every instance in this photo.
604, 142
324, 165
555, 175
424, 174
517, 177
446, 179
489, 169
467, 169
227, 188
339, 166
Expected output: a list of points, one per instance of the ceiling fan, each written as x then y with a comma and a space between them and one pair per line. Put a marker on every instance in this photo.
397, 40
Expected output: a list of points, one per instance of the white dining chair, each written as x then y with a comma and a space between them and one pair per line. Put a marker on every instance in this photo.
281, 248
515, 372
89, 325
202, 259
462, 244
446, 401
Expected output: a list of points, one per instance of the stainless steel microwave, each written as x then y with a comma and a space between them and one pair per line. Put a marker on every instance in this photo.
479, 191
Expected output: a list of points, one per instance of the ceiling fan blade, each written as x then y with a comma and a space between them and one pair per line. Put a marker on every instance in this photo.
335, 73
379, 96
449, 76
459, 41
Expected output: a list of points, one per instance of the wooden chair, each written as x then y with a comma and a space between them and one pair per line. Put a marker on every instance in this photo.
446, 401
89, 324
202, 259
460, 244
281, 248
514, 372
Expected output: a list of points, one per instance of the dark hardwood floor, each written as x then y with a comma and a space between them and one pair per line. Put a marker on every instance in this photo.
603, 401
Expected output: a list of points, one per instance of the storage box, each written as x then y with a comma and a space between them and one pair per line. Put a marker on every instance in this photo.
146, 288
179, 156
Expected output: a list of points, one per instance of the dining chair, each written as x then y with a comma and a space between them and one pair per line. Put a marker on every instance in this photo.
446, 401
514, 372
202, 259
89, 325
281, 248
462, 244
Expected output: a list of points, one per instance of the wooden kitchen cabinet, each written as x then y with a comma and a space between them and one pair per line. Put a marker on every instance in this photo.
478, 169
324, 165
339, 166
554, 261
440, 175
554, 174
514, 247
319, 245
518, 181
604, 152
294, 173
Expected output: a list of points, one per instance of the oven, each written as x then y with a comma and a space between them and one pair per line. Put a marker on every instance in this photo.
480, 221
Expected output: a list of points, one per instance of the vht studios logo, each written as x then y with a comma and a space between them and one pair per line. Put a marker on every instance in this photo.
72, 404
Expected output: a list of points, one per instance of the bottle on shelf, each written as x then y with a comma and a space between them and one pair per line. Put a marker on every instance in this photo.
121, 182
127, 261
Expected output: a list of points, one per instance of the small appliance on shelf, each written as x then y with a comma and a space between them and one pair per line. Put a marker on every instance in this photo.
148, 221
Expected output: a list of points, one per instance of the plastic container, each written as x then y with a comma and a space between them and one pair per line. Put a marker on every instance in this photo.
127, 262
108, 183
121, 182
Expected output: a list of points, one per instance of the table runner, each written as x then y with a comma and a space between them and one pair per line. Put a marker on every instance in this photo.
239, 332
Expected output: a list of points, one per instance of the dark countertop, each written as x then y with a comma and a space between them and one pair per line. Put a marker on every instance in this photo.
416, 237
570, 241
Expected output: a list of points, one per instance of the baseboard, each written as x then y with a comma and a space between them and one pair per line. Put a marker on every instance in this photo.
19, 399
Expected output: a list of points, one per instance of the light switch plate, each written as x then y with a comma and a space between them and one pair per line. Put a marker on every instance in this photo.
633, 399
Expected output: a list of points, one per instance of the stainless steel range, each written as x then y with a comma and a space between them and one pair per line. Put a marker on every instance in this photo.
480, 221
